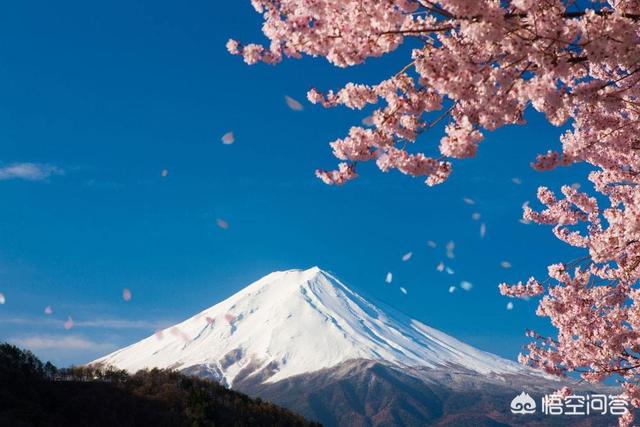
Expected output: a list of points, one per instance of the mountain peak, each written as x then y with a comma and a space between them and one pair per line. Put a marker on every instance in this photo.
298, 321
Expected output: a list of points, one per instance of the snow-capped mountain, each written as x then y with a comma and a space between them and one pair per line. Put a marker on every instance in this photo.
300, 321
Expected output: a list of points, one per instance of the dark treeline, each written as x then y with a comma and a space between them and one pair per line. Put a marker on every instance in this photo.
33, 393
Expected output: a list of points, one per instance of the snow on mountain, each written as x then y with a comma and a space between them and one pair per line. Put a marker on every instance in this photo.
299, 321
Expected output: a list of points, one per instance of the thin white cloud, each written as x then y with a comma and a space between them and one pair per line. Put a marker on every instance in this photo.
29, 171
124, 324
62, 342
95, 324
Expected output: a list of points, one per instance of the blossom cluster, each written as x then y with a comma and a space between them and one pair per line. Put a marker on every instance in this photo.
478, 65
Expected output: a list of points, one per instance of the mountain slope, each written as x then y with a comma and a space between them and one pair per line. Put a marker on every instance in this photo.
34, 394
299, 321
372, 393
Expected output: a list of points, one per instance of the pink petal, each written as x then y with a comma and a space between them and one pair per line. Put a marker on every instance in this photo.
468, 201
164, 173
210, 320
389, 278
407, 256
126, 294
466, 285
48, 310
159, 334
178, 333
368, 121
293, 104
2, 298
403, 290
230, 318
516, 181
483, 229
431, 244
69, 323
475, 216
228, 138
505, 264
222, 223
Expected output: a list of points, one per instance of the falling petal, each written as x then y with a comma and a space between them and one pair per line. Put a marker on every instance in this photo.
575, 186
48, 310
368, 121
164, 173
403, 290
468, 201
450, 255
211, 320
230, 318
407, 256
431, 243
178, 333
228, 138
2, 298
525, 204
466, 285
516, 181
450, 270
126, 294
451, 245
483, 229
475, 216
440, 267
293, 104
505, 264
509, 305
222, 223
69, 323
452, 289
389, 278
524, 221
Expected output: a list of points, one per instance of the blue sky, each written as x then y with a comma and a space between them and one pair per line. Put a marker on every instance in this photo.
108, 95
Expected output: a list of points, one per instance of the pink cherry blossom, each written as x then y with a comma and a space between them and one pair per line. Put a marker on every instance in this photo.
474, 66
